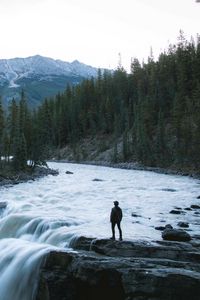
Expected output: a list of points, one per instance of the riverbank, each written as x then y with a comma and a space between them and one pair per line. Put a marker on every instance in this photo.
132, 166
102, 151
11, 178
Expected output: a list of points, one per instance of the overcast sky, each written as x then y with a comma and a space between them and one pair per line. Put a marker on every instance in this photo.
94, 31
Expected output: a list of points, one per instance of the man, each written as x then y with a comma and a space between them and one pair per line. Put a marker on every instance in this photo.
115, 218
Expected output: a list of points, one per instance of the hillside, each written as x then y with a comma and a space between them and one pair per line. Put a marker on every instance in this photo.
150, 116
39, 77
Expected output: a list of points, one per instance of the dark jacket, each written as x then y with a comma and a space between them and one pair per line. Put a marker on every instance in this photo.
116, 215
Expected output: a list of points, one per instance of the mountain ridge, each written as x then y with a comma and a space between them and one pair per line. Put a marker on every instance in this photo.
39, 77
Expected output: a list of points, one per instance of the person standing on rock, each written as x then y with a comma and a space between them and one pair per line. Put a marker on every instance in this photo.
115, 218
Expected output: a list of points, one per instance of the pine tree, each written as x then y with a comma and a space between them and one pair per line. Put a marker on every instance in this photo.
6, 147
2, 126
20, 152
16, 128
13, 123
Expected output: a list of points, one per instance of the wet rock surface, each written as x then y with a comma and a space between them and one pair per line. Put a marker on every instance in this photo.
176, 212
161, 228
69, 172
172, 234
135, 215
188, 208
195, 206
183, 224
97, 179
127, 270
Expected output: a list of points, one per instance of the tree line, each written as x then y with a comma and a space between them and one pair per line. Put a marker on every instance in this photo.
154, 111
20, 143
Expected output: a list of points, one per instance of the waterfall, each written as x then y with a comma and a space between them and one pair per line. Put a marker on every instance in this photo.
19, 268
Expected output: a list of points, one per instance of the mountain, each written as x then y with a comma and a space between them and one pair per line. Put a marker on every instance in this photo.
39, 77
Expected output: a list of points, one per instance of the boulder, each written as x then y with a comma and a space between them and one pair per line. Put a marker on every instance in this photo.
69, 172
168, 190
183, 224
176, 235
160, 228
136, 215
97, 179
168, 226
194, 206
176, 212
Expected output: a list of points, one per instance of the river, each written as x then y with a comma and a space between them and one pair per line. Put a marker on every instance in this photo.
50, 212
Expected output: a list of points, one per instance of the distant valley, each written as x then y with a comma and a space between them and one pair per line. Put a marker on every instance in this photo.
39, 77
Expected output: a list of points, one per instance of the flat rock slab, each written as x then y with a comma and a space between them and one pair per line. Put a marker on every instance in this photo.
126, 270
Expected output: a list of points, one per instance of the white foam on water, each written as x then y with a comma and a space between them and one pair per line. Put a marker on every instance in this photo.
19, 268
54, 210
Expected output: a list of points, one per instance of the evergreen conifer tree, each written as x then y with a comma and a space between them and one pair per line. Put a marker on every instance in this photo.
2, 126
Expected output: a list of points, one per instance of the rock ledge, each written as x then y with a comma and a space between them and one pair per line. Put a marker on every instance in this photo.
127, 270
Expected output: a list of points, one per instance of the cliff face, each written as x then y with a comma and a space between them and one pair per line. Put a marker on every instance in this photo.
106, 270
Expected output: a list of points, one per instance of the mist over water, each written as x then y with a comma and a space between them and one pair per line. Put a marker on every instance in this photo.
19, 269
50, 212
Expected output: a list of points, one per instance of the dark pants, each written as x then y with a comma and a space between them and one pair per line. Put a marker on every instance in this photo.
113, 230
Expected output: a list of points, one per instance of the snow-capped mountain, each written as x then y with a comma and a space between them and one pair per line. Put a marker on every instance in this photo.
39, 76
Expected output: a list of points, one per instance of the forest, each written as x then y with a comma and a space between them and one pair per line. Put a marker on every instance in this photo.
154, 110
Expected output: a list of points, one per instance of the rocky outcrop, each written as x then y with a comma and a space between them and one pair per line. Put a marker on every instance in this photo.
106, 269
24, 176
172, 234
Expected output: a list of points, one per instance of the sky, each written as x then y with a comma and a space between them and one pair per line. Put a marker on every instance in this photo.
100, 33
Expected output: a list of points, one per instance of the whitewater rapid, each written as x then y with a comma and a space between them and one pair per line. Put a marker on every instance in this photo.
50, 212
